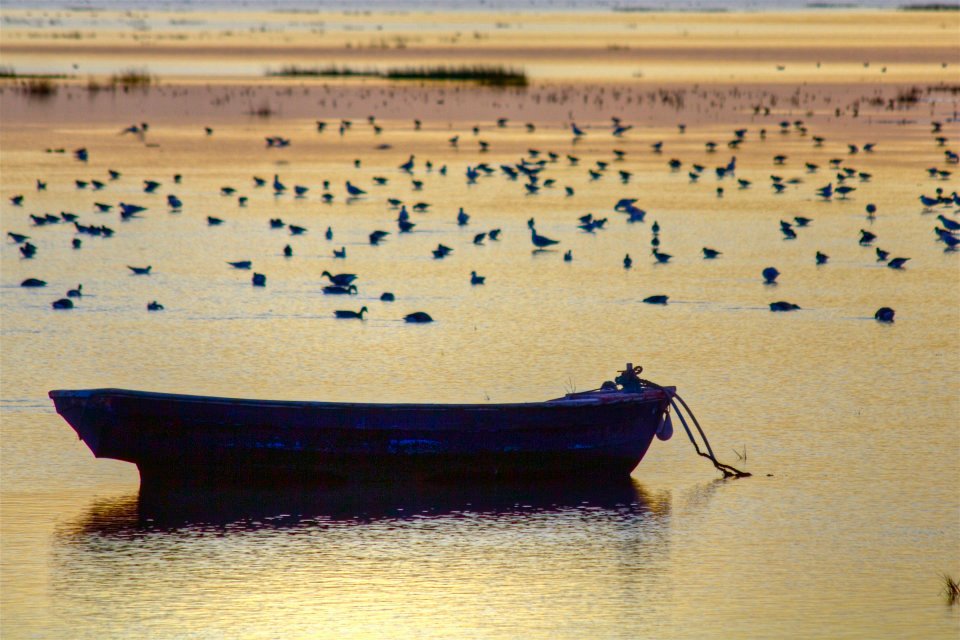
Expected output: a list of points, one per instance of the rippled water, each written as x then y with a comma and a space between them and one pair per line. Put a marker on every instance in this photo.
850, 426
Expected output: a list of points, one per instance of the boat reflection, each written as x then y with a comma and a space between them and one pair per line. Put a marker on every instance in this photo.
274, 508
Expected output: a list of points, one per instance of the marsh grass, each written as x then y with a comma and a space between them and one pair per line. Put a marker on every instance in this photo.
487, 75
38, 88
132, 79
951, 588
332, 71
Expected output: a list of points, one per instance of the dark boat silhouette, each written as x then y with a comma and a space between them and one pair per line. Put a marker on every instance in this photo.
182, 439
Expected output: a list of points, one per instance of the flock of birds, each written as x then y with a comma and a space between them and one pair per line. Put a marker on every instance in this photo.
532, 172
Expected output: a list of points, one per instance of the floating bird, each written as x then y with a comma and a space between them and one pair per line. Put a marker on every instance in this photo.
710, 254
662, 258
386, 296
154, 306
343, 314
140, 271
342, 279
478, 239
475, 279
418, 317
63, 303
627, 261
884, 314
952, 225
340, 290
770, 275
76, 293
494, 234
897, 263
462, 217
149, 186
822, 258
568, 256
214, 221
240, 264
866, 237
18, 238
539, 241
783, 306
377, 236
17, 200
33, 283
801, 221
296, 230
130, 210
259, 280
174, 202
882, 255
102, 207
278, 187
660, 299
442, 251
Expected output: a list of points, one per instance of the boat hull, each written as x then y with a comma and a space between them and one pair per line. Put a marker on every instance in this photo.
178, 439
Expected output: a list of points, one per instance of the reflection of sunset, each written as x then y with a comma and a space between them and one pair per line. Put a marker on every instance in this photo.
737, 131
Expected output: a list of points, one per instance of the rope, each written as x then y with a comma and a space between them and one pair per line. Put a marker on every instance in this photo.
727, 470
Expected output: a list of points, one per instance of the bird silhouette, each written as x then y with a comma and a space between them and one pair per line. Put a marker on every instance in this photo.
770, 275
418, 317
539, 241
344, 314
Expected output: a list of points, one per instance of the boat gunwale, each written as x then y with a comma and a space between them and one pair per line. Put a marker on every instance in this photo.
581, 399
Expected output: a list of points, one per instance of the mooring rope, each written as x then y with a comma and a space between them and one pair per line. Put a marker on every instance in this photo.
727, 470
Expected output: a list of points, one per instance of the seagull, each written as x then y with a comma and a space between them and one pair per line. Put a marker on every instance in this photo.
278, 186
478, 239
442, 251
897, 263
140, 271
149, 186
710, 254
662, 258
18, 238
377, 236
475, 279
577, 131
174, 202
822, 258
867, 237
770, 275
882, 255
952, 225
296, 230
539, 241
341, 313
214, 221
154, 306
494, 234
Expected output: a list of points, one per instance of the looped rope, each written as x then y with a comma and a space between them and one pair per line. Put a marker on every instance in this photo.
727, 470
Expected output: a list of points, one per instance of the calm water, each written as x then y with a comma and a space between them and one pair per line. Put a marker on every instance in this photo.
850, 426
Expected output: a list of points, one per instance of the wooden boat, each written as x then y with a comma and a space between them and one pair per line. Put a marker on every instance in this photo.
182, 439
